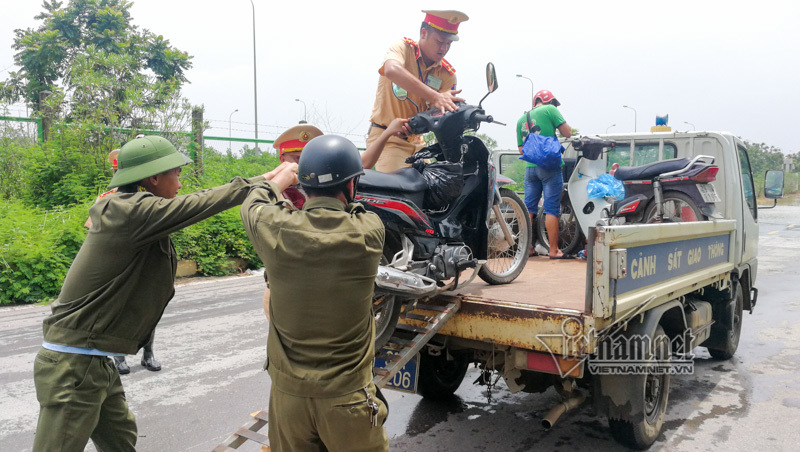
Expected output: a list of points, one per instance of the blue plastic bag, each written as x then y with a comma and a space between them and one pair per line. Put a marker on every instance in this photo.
544, 152
605, 186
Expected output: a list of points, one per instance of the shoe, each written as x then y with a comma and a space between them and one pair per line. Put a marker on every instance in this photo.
150, 363
563, 256
122, 366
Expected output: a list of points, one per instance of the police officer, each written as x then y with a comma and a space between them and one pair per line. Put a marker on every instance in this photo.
289, 145
421, 70
115, 293
320, 349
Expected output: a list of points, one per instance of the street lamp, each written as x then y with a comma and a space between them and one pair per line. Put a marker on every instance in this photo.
522, 76
634, 116
255, 83
304, 111
612, 125
693, 127
229, 127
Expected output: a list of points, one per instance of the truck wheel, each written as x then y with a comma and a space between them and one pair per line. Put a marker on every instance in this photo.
726, 339
504, 262
653, 388
439, 377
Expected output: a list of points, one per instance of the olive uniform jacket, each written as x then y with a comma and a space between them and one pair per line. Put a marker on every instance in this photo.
123, 276
321, 264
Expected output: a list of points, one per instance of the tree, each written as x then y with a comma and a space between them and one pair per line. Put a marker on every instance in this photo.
89, 54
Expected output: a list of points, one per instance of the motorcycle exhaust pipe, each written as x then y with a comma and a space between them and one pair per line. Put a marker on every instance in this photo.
398, 282
567, 405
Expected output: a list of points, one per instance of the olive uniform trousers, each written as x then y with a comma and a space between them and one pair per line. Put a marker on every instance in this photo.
343, 423
81, 397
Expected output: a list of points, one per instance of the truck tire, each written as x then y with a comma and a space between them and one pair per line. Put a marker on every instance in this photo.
439, 377
504, 263
725, 340
641, 431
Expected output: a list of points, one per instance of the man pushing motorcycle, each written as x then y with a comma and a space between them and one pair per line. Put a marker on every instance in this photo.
420, 69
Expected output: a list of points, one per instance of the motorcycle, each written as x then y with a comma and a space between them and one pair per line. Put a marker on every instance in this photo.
667, 191
432, 239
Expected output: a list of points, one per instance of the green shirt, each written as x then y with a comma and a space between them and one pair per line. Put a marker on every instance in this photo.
123, 276
544, 119
321, 264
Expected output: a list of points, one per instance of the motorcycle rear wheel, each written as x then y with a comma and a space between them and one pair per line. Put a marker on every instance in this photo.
386, 309
505, 262
678, 208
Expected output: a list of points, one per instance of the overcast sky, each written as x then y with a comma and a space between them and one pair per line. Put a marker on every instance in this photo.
720, 65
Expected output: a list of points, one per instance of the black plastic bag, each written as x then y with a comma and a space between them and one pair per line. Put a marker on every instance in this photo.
445, 182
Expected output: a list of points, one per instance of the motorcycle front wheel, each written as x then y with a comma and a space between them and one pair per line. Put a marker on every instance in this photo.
570, 236
505, 262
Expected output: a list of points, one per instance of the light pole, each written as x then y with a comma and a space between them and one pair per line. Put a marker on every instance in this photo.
634, 116
612, 125
255, 83
693, 127
304, 111
229, 127
522, 76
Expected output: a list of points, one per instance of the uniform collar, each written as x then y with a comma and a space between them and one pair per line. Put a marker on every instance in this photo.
323, 202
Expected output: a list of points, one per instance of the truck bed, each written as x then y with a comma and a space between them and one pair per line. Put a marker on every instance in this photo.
544, 282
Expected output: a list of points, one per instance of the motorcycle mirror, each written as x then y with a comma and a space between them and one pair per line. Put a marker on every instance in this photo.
402, 95
491, 78
491, 81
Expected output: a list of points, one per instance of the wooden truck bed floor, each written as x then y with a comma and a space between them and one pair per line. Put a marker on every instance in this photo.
553, 283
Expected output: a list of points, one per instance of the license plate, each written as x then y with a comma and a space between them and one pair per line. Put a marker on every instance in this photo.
406, 378
708, 193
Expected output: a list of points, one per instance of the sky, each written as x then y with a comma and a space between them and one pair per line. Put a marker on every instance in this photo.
710, 65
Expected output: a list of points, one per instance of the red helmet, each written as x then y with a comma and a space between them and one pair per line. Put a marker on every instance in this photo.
546, 97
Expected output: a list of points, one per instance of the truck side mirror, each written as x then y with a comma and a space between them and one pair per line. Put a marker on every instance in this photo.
773, 184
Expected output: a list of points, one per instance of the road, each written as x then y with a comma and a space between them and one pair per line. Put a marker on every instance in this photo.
211, 343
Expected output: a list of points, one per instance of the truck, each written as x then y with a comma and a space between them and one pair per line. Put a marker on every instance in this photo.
611, 330
616, 327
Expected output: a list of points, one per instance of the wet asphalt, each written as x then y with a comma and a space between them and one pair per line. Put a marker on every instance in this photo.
211, 345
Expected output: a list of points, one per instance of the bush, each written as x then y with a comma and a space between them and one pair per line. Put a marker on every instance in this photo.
36, 248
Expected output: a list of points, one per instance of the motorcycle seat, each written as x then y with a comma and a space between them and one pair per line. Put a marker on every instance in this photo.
405, 182
649, 171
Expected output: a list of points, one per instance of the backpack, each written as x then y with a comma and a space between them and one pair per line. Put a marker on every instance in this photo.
544, 152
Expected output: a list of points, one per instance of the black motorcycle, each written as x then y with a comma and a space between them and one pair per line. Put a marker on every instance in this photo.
446, 214
674, 190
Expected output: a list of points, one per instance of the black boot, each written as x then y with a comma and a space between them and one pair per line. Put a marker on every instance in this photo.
148, 360
122, 366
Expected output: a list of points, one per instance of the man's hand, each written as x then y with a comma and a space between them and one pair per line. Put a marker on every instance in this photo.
399, 128
285, 175
446, 101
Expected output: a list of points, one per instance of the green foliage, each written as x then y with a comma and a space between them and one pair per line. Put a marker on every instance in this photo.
212, 242
91, 36
36, 249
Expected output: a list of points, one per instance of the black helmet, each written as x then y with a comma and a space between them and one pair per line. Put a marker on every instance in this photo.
327, 161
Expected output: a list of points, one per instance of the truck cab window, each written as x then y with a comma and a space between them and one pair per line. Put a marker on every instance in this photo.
643, 153
747, 181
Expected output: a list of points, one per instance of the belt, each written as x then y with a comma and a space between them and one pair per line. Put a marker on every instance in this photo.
372, 124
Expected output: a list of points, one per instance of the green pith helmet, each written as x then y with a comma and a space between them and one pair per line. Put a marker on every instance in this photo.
144, 157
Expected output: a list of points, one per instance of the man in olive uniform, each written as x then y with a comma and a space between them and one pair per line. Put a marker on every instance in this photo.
321, 262
429, 80
115, 293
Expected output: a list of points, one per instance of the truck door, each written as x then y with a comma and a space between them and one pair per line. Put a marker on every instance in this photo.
748, 213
